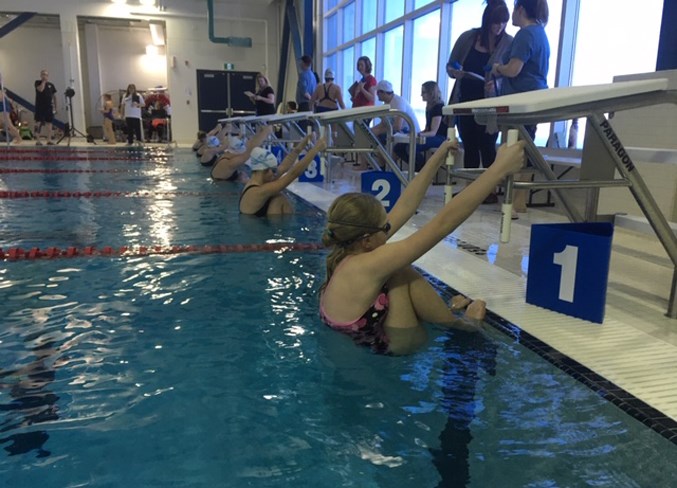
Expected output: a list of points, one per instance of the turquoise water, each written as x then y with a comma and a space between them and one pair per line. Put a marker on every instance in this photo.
214, 370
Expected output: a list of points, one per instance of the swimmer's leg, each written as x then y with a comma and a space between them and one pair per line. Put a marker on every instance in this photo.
402, 325
430, 307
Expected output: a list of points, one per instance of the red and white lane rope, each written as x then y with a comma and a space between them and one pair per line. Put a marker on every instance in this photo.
19, 254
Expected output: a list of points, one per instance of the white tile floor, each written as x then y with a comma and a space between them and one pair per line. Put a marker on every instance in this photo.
635, 347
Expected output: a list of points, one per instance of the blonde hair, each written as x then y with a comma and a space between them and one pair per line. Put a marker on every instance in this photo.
349, 218
432, 89
261, 75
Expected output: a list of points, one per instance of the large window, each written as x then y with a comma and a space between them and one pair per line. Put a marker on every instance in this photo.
421, 3
331, 33
369, 49
610, 42
348, 75
369, 13
424, 59
605, 49
393, 41
349, 22
394, 10
602, 39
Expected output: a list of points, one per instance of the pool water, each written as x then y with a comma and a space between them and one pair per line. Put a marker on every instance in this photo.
202, 370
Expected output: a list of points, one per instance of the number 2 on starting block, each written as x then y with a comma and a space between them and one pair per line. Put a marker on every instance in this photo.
384, 185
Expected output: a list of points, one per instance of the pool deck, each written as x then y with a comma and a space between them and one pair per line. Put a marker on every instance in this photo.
632, 355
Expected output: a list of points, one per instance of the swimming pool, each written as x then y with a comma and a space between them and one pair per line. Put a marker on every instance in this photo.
213, 369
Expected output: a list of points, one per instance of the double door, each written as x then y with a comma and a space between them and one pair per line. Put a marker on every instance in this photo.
220, 94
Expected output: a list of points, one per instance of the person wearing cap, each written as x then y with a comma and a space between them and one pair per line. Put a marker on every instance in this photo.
216, 143
328, 96
385, 93
230, 161
200, 143
262, 196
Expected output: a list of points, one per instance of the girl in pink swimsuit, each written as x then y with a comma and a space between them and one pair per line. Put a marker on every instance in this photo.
372, 293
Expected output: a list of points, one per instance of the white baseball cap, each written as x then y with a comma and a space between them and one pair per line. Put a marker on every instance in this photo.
384, 86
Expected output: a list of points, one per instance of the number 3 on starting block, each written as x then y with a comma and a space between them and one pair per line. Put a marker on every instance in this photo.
384, 185
314, 172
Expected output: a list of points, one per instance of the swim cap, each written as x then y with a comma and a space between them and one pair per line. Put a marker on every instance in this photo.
236, 145
262, 159
213, 141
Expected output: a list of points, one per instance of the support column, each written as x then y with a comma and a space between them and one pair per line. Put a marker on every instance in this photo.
72, 74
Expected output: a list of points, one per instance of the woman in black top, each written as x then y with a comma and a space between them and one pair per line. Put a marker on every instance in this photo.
264, 98
435, 131
474, 52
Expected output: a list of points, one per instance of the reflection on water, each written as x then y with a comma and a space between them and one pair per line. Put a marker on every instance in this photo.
32, 402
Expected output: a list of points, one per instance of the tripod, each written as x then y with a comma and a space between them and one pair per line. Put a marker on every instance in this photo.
69, 129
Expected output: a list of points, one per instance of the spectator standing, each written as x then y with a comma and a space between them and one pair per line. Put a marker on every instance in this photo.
474, 52
132, 104
327, 96
264, 98
306, 84
45, 106
108, 118
363, 91
525, 65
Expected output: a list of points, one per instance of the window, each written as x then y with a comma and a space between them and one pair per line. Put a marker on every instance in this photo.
392, 53
609, 43
421, 3
331, 33
369, 14
424, 59
369, 49
394, 10
348, 76
349, 22
331, 4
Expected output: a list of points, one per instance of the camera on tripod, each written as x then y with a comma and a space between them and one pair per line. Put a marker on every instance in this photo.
69, 93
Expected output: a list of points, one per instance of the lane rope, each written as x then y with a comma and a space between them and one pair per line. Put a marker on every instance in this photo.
108, 194
19, 254
154, 159
55, 171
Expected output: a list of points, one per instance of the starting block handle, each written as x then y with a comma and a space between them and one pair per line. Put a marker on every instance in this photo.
506, 208
448, 189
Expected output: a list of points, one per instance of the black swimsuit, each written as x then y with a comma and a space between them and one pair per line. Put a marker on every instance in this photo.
263, 211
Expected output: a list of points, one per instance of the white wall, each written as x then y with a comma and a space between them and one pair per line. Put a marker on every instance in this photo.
121, 54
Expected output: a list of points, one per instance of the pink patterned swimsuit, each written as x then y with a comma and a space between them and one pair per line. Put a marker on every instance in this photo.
368, 329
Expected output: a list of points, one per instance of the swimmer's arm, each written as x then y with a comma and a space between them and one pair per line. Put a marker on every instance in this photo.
275, 187
293, 155
261, 135
393, 256
415, 191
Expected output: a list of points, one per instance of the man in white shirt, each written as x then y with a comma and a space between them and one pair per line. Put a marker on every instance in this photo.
384, 92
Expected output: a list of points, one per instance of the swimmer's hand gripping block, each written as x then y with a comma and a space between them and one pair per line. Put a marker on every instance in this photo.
569, 268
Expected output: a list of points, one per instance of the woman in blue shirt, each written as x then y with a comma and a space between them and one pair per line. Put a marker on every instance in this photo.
525, 65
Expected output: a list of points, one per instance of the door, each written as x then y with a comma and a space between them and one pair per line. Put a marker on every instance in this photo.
220, 94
